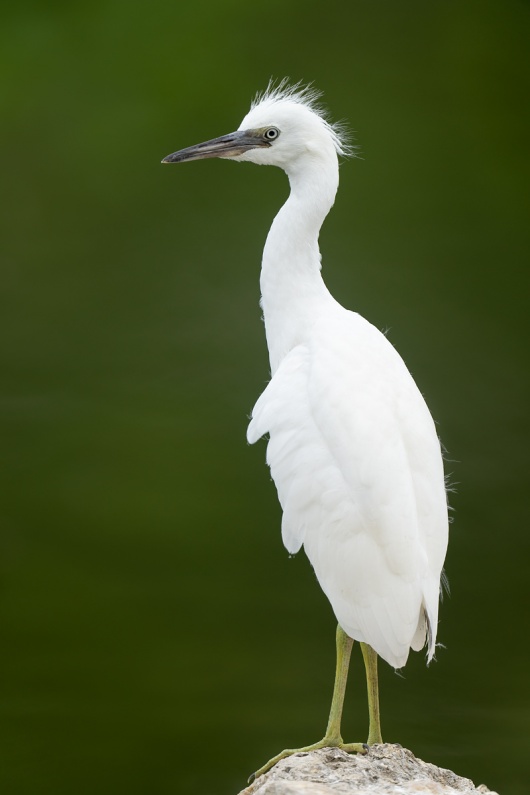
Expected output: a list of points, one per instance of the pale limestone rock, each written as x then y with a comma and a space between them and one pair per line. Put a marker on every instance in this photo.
385, 770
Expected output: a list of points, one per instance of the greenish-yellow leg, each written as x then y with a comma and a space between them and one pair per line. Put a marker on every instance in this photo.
372, 683
333, 736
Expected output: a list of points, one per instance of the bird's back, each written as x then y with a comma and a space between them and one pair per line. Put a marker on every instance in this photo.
356, 460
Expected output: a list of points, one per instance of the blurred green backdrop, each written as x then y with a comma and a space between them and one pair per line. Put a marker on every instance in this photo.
156, 638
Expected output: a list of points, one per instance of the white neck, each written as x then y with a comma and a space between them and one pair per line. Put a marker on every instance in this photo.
293, 294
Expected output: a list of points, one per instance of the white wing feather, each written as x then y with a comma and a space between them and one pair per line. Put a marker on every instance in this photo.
356, 460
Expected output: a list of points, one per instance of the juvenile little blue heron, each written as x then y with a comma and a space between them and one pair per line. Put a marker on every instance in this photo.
352, 447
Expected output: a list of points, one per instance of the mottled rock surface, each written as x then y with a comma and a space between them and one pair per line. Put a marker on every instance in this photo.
386, 770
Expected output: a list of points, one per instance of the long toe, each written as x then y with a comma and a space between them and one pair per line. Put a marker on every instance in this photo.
327, 742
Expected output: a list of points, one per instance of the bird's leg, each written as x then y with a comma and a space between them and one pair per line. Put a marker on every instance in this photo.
333, 737
344, 647
372, 684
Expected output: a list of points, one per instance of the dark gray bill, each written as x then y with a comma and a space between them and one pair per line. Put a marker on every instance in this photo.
226, 146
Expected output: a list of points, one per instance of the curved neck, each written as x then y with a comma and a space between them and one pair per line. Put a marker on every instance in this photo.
293, 293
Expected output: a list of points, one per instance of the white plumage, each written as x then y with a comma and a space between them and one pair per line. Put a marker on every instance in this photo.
353, 449
356, 461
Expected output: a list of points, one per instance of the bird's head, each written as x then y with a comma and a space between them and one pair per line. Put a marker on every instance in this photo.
284, 127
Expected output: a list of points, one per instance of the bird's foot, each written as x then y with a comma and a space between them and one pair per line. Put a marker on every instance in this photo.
327, 742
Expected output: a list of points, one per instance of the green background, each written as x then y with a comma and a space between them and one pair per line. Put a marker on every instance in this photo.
155, 636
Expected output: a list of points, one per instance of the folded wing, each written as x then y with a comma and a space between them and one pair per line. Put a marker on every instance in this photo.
356, 460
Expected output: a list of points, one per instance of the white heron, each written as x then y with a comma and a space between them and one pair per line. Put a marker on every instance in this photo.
352, 448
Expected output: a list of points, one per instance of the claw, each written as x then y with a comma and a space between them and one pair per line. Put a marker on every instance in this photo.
251, 778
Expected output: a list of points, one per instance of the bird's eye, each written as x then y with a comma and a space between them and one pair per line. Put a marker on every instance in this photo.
271, 133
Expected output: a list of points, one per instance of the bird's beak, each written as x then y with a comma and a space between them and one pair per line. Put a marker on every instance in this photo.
229, 145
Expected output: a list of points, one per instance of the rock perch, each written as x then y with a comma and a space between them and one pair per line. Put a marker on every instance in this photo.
386, 770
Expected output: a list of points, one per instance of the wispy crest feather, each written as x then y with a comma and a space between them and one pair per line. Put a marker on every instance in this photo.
280, 91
